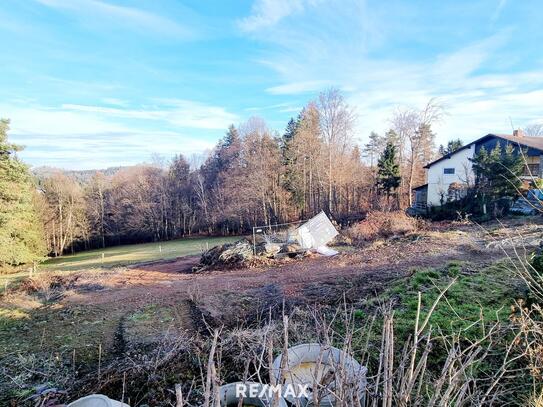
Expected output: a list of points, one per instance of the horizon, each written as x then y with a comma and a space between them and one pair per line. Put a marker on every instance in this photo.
92, 84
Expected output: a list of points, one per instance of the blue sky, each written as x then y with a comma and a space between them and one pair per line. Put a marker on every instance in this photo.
98, 83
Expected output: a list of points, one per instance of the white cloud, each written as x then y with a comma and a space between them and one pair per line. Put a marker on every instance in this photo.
82, 136
298, 87
267, 13
114, 102
343, 45
144, 21
102, 150
177, 112
44, 120
499, 9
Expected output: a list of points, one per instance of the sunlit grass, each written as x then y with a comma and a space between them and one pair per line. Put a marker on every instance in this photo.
137, 253
121, 256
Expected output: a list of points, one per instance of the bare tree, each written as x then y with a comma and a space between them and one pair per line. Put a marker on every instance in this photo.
414, 130
534, 130
96, 205
336, 122
65, 221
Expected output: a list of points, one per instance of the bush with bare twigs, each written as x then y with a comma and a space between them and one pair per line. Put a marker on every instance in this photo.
378, 225
188, 370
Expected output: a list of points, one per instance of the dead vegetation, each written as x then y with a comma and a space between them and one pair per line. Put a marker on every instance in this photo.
382, 225
243, 254
147, 329
429, 369
226, 255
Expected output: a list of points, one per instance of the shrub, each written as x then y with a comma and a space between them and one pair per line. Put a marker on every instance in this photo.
382, 225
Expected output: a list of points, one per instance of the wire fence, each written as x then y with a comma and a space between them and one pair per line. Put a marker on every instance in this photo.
276, 233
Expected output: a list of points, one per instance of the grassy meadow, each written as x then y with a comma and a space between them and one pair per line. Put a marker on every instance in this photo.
136, 253
124, 255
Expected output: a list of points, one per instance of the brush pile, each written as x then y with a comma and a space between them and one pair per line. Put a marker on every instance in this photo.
228, 254
242, 253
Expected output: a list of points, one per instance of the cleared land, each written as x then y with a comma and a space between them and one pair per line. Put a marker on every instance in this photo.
78, 315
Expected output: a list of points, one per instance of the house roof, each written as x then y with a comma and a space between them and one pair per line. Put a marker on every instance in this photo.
420, 187
525, 141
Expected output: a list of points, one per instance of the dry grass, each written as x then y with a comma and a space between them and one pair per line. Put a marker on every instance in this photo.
383, 225
430, 368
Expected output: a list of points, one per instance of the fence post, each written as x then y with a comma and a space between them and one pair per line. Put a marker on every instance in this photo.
254, 242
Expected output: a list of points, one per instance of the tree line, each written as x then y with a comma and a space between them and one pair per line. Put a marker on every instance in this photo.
253, 176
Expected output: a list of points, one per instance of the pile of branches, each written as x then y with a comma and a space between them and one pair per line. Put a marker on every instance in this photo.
228, 255
243, 254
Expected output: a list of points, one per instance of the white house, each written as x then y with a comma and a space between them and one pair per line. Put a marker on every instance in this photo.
449, 176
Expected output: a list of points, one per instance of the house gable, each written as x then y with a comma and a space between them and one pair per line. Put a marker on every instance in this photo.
457, 167
533, 145
489, 143
454, 168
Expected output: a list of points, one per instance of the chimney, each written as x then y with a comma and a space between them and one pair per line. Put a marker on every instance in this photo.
518, 133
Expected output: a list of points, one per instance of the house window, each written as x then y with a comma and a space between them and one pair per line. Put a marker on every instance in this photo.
531, 170
448, 171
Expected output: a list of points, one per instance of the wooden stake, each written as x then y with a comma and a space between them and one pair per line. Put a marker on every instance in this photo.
178, 396
42, 337
99, 361
124, 387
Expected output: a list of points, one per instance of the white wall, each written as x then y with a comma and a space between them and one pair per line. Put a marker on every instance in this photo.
438, 182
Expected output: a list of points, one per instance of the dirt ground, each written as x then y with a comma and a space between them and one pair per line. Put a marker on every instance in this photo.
148, 299
360, 272
80, 318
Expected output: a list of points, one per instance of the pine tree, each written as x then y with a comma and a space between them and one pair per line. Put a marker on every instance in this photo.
292, 180
393, 138
498, 172
21, 234
290, 131
231, 138
388, 174
228, 150
451, 147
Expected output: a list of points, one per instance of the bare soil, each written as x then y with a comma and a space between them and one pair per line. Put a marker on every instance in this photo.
359, 272
86, 308
82, 317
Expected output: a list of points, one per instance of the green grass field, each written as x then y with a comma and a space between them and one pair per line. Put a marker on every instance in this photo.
124, 255
136, 253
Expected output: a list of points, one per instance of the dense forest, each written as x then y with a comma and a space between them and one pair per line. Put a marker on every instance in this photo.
253, 176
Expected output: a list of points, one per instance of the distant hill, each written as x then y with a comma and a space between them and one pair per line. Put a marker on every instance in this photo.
82, 176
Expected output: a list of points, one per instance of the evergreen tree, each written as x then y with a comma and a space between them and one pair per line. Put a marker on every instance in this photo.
292, 180
451, 147
228, 150
388, 173
21, 234
290, 131
231, 138
393, 138
287, 139
497, 173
